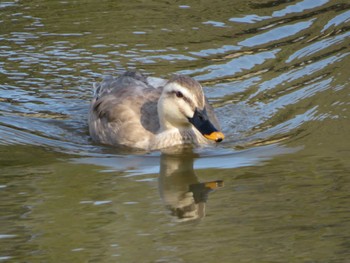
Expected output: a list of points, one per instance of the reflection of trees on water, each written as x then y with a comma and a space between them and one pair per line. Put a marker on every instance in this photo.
180, 188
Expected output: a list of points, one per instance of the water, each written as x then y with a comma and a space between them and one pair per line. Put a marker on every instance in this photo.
277, 75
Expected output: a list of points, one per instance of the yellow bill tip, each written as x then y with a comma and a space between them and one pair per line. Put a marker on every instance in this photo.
215, 136
214, 184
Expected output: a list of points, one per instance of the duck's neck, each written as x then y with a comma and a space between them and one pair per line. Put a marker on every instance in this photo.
171, 134
174, 136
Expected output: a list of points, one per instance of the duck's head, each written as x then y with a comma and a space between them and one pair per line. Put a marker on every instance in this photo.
182, 104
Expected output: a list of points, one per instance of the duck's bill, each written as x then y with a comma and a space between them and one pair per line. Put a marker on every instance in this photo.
215, 136
214, 184
202, 123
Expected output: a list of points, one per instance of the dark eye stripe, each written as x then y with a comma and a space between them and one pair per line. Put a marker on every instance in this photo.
189, 101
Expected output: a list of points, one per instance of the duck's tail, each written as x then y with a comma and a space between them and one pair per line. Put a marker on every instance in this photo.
102, 87
109, 83
95, 89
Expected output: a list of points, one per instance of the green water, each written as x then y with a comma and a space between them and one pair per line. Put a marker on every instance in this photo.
277, 73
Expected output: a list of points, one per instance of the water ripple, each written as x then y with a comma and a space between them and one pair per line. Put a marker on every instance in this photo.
277, 34
290, 9
318, 46
337, 20
237, 65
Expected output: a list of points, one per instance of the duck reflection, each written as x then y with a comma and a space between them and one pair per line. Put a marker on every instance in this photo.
180, 188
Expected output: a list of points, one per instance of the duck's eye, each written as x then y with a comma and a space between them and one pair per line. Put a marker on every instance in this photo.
179, 94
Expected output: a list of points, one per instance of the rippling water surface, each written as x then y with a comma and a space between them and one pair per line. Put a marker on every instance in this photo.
277, 73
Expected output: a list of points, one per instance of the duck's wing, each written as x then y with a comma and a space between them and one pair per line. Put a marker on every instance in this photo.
124, 111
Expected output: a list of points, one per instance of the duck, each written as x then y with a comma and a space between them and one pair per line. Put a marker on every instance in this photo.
151, 113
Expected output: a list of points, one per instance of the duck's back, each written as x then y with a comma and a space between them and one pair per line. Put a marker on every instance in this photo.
124, 111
